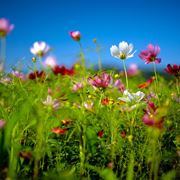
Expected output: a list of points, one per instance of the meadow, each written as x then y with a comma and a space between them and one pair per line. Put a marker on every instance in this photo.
80, 123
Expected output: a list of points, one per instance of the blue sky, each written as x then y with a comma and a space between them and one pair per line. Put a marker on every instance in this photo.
110, 21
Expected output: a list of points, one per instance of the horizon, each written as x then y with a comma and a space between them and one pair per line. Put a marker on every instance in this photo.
138, 22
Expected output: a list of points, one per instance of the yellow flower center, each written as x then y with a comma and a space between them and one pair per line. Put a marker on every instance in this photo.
122, 56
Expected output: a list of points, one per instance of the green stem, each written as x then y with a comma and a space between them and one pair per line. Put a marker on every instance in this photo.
3, 54
125, 74
156, 82
82, 58
177, 86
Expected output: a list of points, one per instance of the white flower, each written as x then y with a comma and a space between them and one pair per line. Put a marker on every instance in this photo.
40, 49
132, 97
124, 51
50, 61
50, 102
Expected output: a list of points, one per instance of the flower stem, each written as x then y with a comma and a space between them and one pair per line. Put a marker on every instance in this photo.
177, 86
125, 74
156, 82
82, 57
3, 54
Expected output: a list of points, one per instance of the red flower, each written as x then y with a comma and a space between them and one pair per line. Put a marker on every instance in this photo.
150, 55
100, 134
173, 69
63, 70
37, 74
59, 130
123, 134
146, 84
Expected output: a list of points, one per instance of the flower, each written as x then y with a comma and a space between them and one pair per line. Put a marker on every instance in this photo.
50, 61
63, 70
100, 133
76, 35
5, 27
50, 102
132, 70
150, 55
152, 117
19, 75
132, 97
88, 105
147, 83
40, 49
118, 84
103, 80
173, 69
77, 86
25, 155
2, 123
37, 74
123, 51
59, 131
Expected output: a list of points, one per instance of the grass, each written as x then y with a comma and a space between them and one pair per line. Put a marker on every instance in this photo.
95, 141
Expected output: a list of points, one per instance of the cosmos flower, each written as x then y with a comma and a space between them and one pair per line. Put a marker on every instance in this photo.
147, 83
132, 97
63, 70
88, 105
118, 84
76, 35
59, 131
100, 134
5, 27
173, 69
103, 80
37, 74
77, 86
124, 51
151, 116
132, 70
50, 61
18, 74
51, 102
40, 49
150, 54
2, 123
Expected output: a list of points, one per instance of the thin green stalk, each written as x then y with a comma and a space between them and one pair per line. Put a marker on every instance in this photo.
3, 54
125, 74
156, 82
82, 58
177, 86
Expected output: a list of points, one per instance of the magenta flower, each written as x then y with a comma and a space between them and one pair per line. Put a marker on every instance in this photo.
119, 85
5, 27
173, 69
152, 116
103, 80
40, 49
150, 55
76, 35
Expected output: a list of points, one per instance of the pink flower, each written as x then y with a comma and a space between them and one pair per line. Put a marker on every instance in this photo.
103, 80
118, 84
40, 49
50, 61
132, 70
150, 55
19, 75
152, 116
5, 27
76, 35
77, 86
2, 123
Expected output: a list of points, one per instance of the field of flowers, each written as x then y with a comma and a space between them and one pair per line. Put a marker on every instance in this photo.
78, 123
